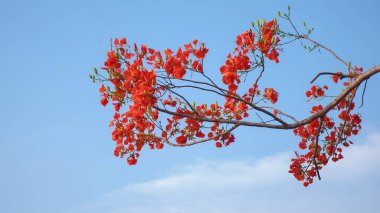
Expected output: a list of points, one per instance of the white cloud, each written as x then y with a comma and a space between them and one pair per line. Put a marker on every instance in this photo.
351, 185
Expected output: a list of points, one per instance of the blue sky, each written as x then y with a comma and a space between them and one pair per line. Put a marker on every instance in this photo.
56, 152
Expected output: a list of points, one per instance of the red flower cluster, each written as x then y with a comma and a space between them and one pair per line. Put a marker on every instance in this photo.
316, 92
268, 42
239, 61
245, 43
136, 85
193, 128
331, 137
177, 64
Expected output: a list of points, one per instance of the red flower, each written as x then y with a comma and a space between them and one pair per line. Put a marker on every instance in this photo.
181, 139
168, 52
131, 161
179, 73
112, 61
104, 101
271, 95
302, 145
230, 78
123, 41
335, 78
273, 55
102, 89
159, 145
117, 151
197, 66
201, 52
218, 144
200, 134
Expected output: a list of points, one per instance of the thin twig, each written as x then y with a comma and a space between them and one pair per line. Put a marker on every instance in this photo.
187, 102
279, 112
365, 86
316, 147
328, 50
258, 78
260, 117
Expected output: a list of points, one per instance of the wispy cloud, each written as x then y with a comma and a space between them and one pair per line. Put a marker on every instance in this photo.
352, 185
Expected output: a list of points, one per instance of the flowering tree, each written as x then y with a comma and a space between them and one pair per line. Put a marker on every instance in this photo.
145, 87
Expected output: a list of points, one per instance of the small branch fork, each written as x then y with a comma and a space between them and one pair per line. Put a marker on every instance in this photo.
341, 76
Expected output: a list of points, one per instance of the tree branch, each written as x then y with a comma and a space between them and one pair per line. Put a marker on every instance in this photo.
359, 79
328, 50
